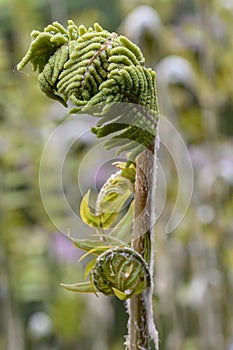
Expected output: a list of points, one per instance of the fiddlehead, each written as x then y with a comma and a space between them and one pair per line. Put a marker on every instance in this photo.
121, 272
118, 271
95, 68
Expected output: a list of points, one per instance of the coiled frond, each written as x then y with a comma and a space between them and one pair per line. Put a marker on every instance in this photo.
93, 67
119, 271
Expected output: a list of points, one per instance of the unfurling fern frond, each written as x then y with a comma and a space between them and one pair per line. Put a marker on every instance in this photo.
97, 70
120, 271
113, 208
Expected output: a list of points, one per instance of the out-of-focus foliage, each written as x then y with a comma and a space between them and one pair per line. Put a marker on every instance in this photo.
191, 50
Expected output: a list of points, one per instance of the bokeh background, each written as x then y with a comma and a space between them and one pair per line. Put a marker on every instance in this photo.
190, 45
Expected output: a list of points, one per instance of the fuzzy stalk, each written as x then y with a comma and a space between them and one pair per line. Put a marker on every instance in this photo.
140, 325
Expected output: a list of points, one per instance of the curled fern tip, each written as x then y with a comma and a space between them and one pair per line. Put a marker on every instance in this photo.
93, 67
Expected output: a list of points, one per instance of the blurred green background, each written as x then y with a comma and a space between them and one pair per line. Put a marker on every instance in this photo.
190, 45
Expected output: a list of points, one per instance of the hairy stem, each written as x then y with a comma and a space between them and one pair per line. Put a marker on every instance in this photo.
141, 326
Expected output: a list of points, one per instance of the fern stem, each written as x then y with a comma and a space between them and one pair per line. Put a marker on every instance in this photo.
141, 326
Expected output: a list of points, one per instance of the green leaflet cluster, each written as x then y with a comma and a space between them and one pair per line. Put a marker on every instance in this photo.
100, 72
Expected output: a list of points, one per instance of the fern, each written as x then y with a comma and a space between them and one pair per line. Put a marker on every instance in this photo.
96, 70
104, 74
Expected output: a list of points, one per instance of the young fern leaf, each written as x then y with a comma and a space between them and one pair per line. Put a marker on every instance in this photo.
81, 287
96, 69
113, 201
